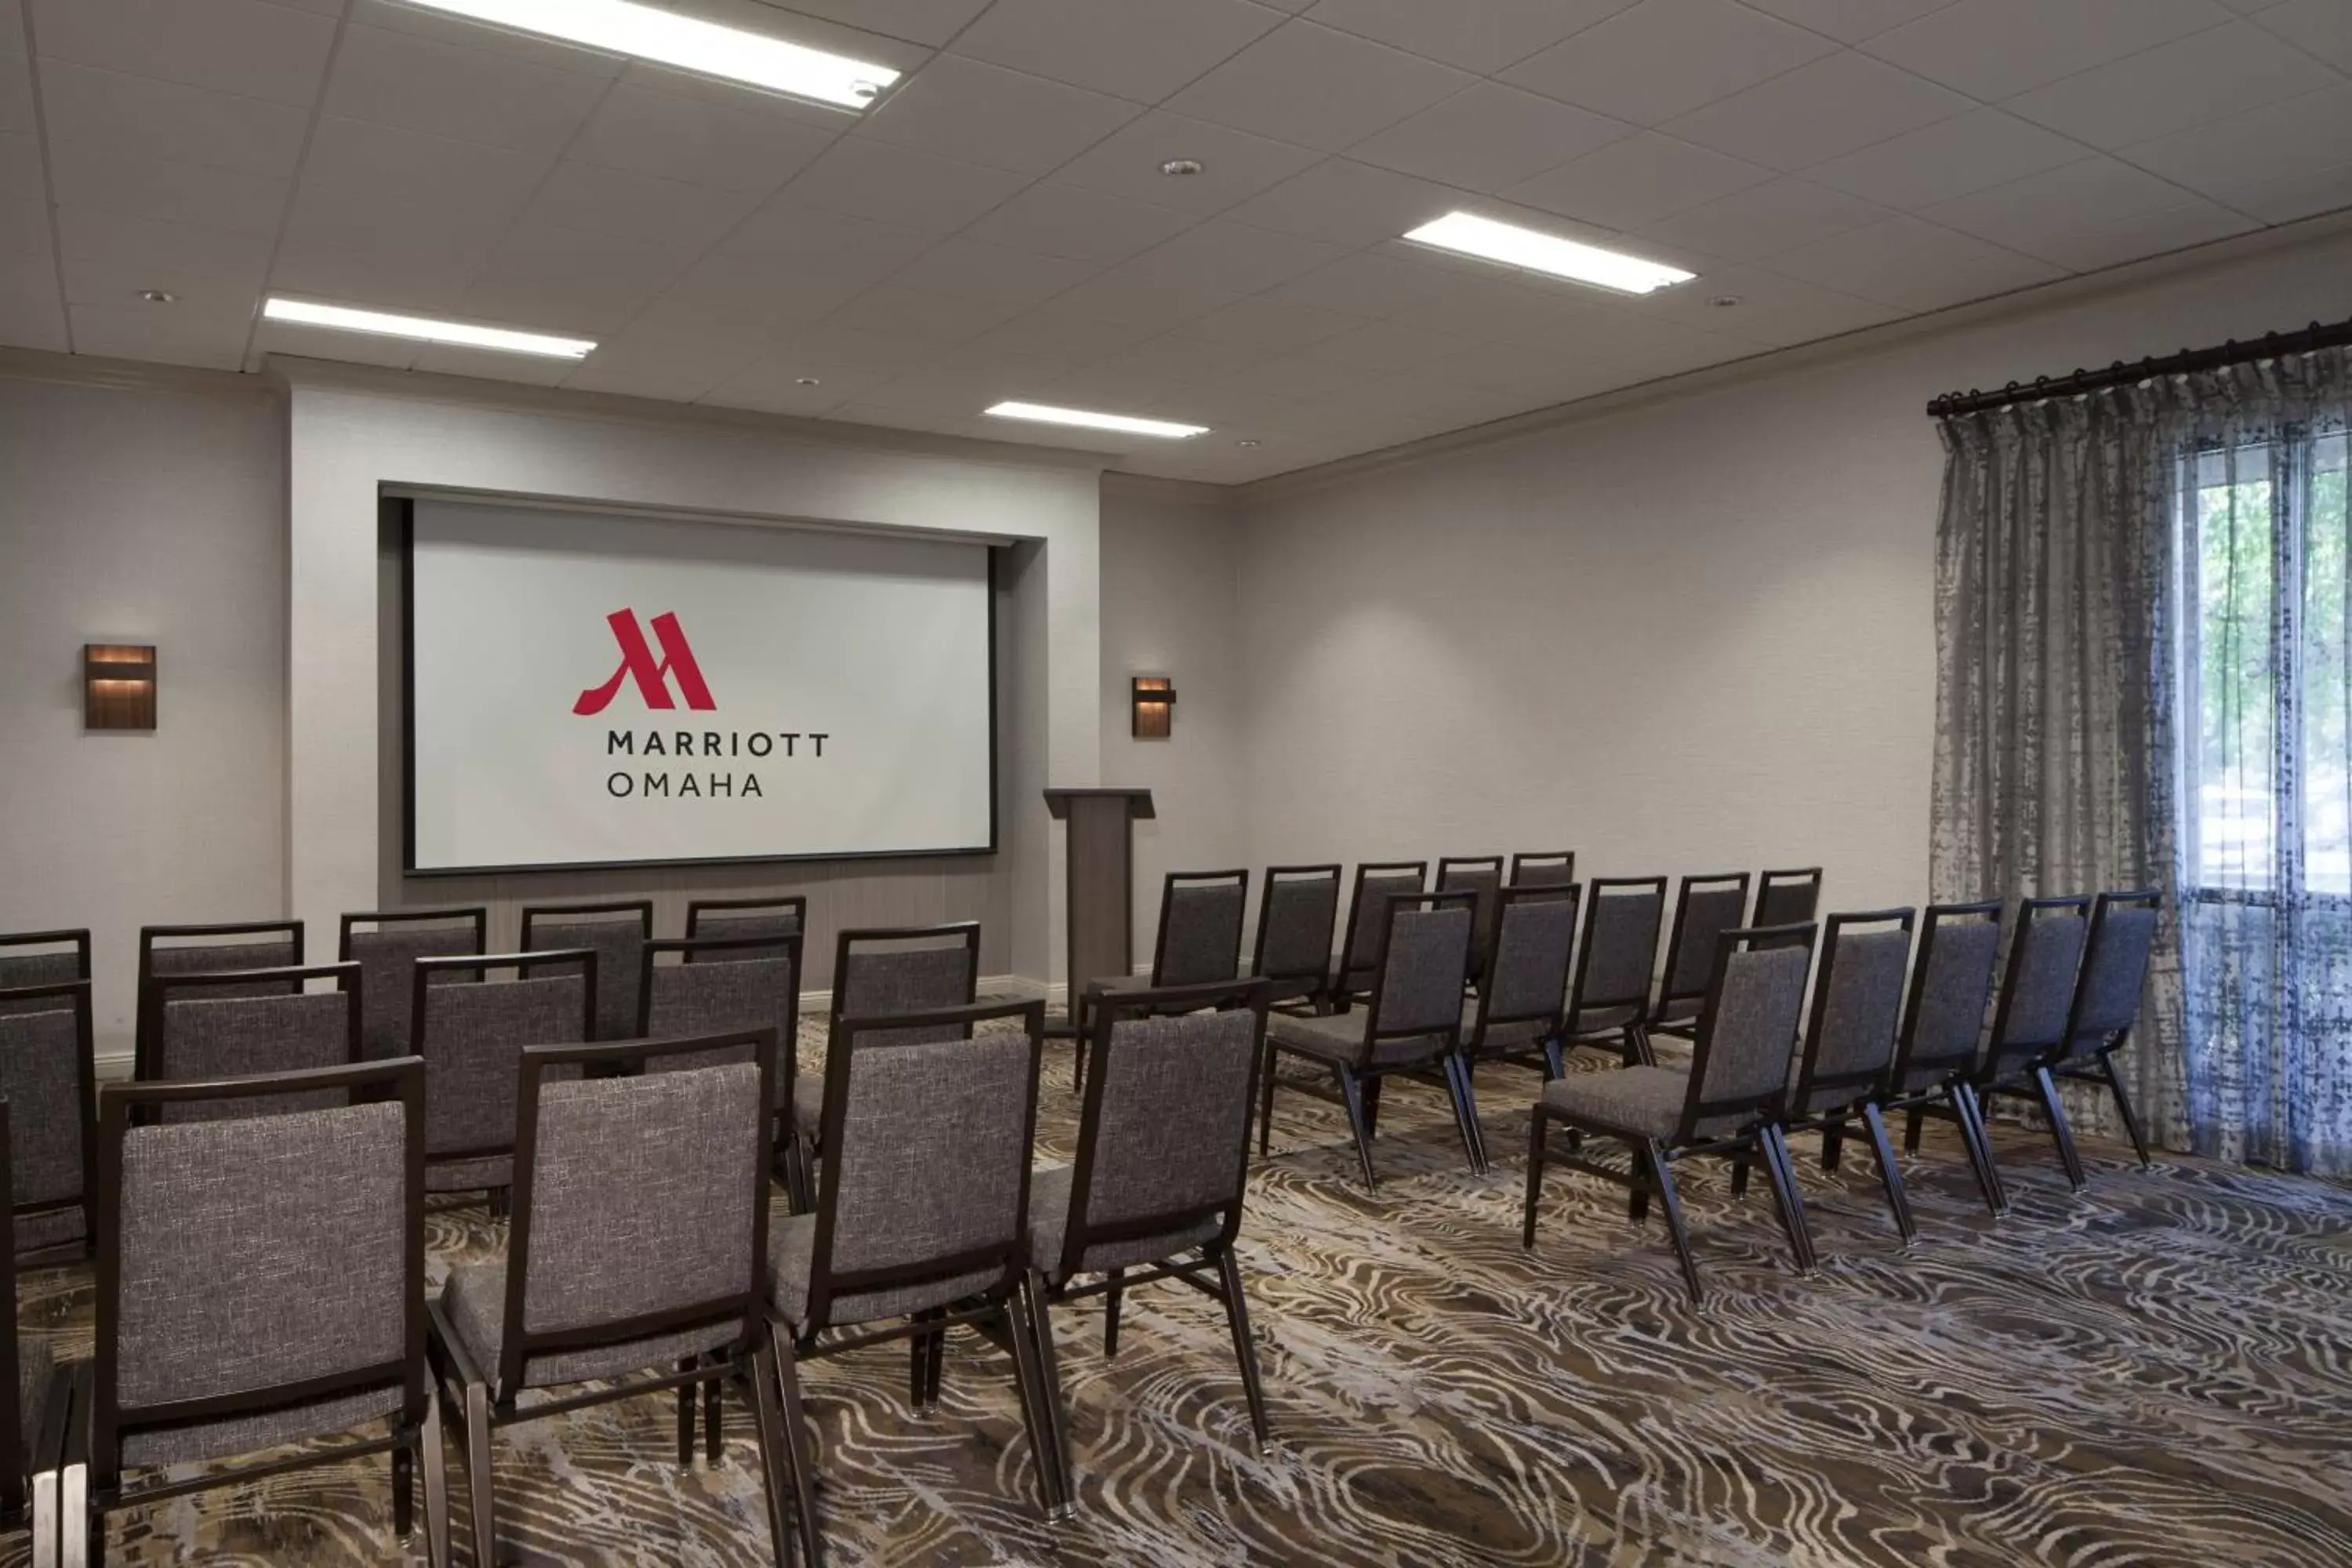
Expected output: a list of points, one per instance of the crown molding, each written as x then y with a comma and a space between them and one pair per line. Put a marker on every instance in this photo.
129, 374
1154, 487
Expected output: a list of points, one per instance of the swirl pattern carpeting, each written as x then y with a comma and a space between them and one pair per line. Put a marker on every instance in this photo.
2153, 1373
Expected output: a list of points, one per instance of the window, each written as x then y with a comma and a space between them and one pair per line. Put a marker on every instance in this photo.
2266, 668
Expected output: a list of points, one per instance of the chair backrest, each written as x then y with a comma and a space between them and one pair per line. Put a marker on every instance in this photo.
1706, 907
640, 1197
1787, 898
882, 972
1419, 971
772, 916
1377, 883
1526, 974
1163, 1135
37, 958
1857, 1008
2037, 990
1200, 939
723, 985
1747, 1030
926, 1176
1481, 875
616, 932
1951, 986
13, 1465
2115, 967
1543, 868
49, 1074
215, 1026
178, 950
387, 951
472, 1032
1622, 916
249, 1263
1295, 915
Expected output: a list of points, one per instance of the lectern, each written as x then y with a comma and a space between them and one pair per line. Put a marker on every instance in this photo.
1102, 880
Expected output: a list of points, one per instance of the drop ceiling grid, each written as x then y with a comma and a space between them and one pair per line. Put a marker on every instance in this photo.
998, 227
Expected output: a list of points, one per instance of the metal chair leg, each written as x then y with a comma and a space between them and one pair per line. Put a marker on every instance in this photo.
1652, 1156
435, 1462
1265, 1100
478, 1475
1833, 1143
2061, 1131
2124, 1106
404, 1490
1049, 1376
798, 1456
1536, 1122
1889, 1173
1351, 1095
1229, 1275
1111, 1299
686, 1393
1971, 1116
1466, 1112
1780, 1171
713, 1418
1042, 1442
773, 1451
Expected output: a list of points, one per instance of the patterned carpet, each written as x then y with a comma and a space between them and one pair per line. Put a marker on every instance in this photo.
2155, 1372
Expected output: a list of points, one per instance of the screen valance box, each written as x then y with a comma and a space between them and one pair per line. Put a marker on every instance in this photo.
584, 689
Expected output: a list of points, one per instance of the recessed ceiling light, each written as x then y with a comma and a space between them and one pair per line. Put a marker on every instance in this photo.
1180, 166
159, 296
1726, 301
347, 318
1249, 443
1470, 235
1165, 429
654, 33
805, 380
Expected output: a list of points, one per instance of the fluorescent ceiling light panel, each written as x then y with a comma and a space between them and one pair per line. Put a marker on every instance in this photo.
424, 328
1165, 429
654, 33
1470, 235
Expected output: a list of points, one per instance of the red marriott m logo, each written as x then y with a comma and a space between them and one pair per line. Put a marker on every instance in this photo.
652, 676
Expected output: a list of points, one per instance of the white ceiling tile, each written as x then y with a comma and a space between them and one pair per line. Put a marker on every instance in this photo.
1950, 158
1996, 48
1482, 35
487, 365
760, 293
1087, 226
356, 248
16, 93
1849, 21
561, 280
1764, 220
213, 341
20, 170
1230, 258
2093, 246
1184, 354
104, 180
12, 28
898, 185
896, 311
2305, 193
1634, 183
1821, 111
31, 315
2294, 140
1502, 306
772, 384
109, 259
1369, 285
1017, 280
414, 166
2322, 28
1913, 265
1773, 310
464, 32
2028, 215
243, 47
589, 199
670, 351
1664, 57
1317, 88
1279, 326
1139, 49
399, 78
1345, 202
1489, 136
168, 119
1385, 346
985, 114
959, 393
2174, 86
802, 243
1058, 330
931, 22
1151, 298
755, 146
1295, 375
317, 343
1235, 165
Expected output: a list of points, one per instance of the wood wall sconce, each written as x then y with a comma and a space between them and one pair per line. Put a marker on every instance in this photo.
1153, 701
118, 686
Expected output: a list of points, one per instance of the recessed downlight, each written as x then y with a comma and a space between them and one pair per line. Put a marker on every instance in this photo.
1178, 168
159, 296
1727, 302
1165, 429
1249, 443
1466, 234
805, 380
424, 328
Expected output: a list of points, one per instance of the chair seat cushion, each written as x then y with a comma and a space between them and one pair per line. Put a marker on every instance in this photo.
808, 1113
791, 1249
1340, 1038
476, 1301
1643, 1101
1598, 1020
1049, 1218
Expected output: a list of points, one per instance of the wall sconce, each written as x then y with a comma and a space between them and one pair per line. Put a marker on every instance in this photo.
1154, 702
118, 686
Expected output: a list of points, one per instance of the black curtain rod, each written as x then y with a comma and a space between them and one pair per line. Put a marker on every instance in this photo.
2187, 361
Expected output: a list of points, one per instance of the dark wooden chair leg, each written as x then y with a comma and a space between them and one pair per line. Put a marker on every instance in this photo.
1351, 1095
1536, 1125
1229, 1275
1654, 1157
798, 1457
1914, 1125
685, 1394
1833, 1143
1740, 1164
1889, 1173
2124, 1106
773, 1452
2061, 1131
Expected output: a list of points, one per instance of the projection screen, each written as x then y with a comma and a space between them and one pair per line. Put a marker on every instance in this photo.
587, 689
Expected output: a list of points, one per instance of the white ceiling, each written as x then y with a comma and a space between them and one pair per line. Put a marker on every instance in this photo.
998, 227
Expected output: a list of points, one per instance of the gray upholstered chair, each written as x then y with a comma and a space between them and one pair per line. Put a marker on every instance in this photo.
2032, 1022
1162, 1162
922, 1209
1356, 963
1705, 908
726, 985
1787, 898
638, 1256
47, 1074
2107, 1002
1199, 943
616, 932
170, 951
1520, 1009
31, 1435
1481, 875
1943, 1033
1609, 1000
884, 971
34, 958
260, 1282
1727, 1103
471, 1033
1543, 868
1850, 1041
1419, 960
387, 944
770, 916
1295, 910
223, 1025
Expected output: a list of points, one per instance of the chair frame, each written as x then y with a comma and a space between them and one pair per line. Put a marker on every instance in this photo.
158, 992
1788, 876
481, 964
142, 1022
1685, 1025
968, 931
91, 1486
1358, 1090
1759, 1137
2025, 1074
1081, 1024
86, 1098
1318, 978
791, 1162
1954, 1095
1861, 1091
1522, 860
1342, 997
1545, 1050
796, 902
2068, 1061
1633, 1035
78, 937
489, 1401
1483, 917
29, 1468
1003, 1304
475, 915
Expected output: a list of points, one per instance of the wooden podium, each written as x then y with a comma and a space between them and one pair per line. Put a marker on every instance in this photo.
1101, 903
